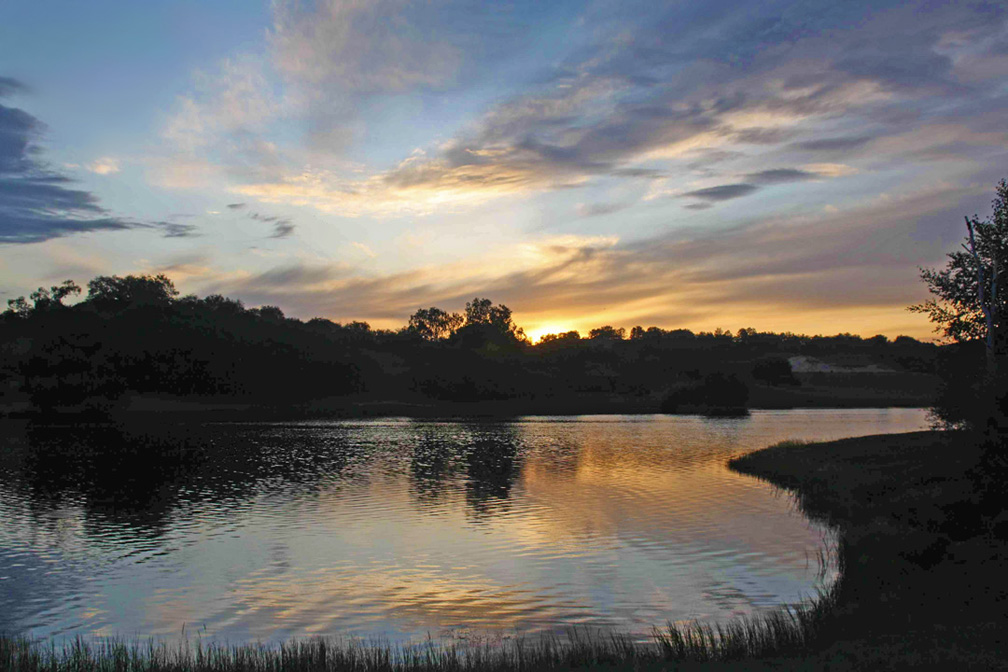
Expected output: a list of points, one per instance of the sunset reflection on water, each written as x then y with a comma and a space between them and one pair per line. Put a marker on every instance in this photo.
398, 528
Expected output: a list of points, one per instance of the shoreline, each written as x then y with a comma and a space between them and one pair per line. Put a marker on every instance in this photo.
227, 409
923, 533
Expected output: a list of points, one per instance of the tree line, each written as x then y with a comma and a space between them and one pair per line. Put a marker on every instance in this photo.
135, 335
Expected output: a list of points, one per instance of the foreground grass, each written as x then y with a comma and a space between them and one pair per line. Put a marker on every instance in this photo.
684, 646
923, 533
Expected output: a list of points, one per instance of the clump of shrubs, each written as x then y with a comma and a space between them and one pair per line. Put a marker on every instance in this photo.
714, 394
774, 371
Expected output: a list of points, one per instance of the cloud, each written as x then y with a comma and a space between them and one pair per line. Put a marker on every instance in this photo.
324, 61
366, 47
235, 98
387, 194
781, 176
851, 269
10, 86
336, 56
37, 203
218, 129
597, 209
640, 93
724, 192
106, 165
364, 248
829, 169
178, 230
834, 144
282, 229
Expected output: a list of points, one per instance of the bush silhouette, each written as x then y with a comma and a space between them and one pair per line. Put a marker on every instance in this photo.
774, 371
714, 393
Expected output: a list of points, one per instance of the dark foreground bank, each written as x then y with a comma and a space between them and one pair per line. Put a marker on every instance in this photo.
923, 533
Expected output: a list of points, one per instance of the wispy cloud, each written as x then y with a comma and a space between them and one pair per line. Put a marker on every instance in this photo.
850, 266
106, 165
690, 87
283, 227
781, 176
10, 86
37, 203
723, 192
365, 249
833, 144
178, 230
597, 209
744, 133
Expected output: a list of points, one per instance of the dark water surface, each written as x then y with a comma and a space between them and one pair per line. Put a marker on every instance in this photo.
398, 528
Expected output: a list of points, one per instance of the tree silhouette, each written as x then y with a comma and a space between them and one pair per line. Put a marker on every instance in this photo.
970, 301
607, 332
114, 292
434, 324
43, 299
969, 305
134, 336
486, 323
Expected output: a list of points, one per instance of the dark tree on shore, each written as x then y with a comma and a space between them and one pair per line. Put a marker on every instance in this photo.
112, 291
488, 321
608, 332
969, 308
434, 324
134, 341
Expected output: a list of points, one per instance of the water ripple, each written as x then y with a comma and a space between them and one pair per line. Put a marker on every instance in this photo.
397, 528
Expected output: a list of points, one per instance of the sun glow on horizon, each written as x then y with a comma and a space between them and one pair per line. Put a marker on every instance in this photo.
538, 332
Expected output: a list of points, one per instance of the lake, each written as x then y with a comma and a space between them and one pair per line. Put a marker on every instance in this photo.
399, 529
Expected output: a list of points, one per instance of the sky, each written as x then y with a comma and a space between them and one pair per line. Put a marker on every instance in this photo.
786, 166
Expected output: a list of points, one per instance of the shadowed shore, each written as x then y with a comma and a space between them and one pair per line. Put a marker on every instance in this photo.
923, 532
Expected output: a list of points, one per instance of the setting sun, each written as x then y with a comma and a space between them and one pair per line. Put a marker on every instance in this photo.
537, 333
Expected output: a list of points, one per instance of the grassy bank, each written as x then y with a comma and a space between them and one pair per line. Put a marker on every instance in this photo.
923, 534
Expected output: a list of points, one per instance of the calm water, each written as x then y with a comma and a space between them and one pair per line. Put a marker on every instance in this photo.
399, 528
